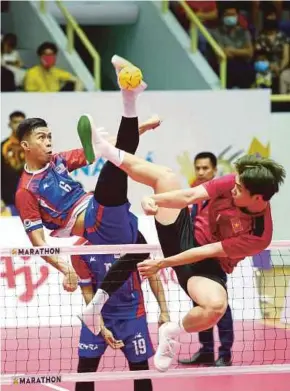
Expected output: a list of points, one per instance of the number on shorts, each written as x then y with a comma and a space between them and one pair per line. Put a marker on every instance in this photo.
64, 186
140, 346
107, 266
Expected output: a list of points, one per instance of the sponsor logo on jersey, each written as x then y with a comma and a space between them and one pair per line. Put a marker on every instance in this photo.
60, 168
89, 346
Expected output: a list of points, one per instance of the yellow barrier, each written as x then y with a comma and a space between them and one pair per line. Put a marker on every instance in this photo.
195, 24
280, 98
73, 27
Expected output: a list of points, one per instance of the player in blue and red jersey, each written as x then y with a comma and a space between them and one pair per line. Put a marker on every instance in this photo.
124, 324
47, 195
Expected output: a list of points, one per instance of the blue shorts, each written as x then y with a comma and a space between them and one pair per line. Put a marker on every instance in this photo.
133, 332
110, 224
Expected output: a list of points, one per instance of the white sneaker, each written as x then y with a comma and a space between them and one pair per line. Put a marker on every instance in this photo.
167, 346
91, 319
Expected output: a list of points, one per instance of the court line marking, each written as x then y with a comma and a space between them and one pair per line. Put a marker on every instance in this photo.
55, 387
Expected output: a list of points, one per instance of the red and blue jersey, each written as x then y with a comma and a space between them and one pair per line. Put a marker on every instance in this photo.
127, 302
50, 197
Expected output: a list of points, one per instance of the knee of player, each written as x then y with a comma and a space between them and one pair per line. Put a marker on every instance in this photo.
170, 178
217, 307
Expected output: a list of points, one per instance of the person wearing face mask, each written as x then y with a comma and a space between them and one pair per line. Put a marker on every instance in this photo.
262, 69
236, 43
46, 77
275, 43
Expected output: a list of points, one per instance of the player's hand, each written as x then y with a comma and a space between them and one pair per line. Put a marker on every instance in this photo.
149, 267
70, 280
149, 206
110, 339
163, 318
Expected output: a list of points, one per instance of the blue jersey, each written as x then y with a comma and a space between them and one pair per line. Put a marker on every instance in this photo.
50, 197
127, 302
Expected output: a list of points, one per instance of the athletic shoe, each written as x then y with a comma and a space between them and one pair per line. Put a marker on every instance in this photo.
199, 358
120, 63
90, 137
167, 346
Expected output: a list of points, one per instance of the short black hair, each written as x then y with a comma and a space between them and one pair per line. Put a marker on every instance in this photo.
261, 52
11, 38
46, 45
207, 155
28, 125
260, 175
16, 114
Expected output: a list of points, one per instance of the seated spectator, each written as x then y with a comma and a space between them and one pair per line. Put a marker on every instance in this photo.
237, 45
284, 87
11, 59
7, 80
263, 72
275, 44
46, 77
12, 161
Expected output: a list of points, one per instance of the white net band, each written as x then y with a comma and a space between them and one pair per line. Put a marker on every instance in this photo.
150, 374
103, 249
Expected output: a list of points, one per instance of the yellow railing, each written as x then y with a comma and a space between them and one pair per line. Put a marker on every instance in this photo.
195, 25
73, 27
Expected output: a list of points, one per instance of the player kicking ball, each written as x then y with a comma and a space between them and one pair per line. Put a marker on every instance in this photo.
240, 224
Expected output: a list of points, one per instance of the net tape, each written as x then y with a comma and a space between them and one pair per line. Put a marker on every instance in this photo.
152, 374
104, 249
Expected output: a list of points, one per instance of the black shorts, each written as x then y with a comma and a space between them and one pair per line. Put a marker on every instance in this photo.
178, 237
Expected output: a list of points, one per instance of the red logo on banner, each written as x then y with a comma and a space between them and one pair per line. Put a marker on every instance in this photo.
11, 273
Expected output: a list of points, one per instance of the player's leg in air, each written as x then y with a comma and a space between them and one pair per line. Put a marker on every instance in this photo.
108, 219
203, 283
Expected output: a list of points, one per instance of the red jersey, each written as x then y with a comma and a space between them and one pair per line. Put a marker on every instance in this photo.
241, 234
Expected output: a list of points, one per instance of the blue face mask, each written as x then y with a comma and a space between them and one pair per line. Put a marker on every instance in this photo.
230, 21
261, 66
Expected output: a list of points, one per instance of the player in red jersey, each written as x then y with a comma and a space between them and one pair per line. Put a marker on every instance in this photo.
48, 197
240, 223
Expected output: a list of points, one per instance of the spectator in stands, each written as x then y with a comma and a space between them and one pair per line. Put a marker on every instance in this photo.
275, 43
205, 166
46, 77
12, 161
7, 80
285, 82
11, 59
237, 45
263, 72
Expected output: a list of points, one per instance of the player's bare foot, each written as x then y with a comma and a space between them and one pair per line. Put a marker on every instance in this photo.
151, 124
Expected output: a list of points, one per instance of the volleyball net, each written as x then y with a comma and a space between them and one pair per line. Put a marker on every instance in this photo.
40, 330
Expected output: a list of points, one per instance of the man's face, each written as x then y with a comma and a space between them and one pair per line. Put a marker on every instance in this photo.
48, 58
14, 123
38, 145
242, 197
204, 170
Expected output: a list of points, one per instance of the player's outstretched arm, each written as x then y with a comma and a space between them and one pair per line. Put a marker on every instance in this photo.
70, 281
212, 250
176, 199
158, 291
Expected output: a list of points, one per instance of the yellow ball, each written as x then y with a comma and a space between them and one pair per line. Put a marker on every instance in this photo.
130, 77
